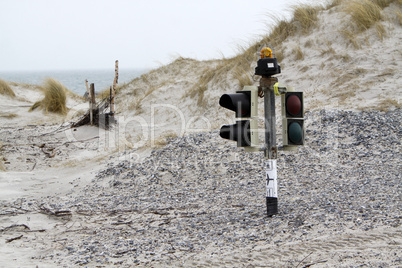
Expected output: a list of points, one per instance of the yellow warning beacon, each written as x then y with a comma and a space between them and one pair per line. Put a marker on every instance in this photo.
266, 52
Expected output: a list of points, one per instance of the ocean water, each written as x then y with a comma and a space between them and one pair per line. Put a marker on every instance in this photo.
74, 80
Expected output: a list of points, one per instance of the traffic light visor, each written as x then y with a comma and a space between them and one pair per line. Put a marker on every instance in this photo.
237, 102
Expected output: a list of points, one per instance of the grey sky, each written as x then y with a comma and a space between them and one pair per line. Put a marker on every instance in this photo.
90, 34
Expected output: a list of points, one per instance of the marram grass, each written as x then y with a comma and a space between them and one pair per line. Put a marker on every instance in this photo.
55, 98
5, 89
364, 13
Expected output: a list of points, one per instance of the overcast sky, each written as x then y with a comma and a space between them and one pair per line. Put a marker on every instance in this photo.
92, 34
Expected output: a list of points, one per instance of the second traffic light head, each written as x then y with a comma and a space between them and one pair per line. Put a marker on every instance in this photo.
245, 104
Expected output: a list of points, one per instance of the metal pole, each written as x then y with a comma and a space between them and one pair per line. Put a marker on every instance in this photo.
271, 148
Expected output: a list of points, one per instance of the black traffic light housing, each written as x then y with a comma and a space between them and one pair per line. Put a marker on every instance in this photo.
293, 118
244, 104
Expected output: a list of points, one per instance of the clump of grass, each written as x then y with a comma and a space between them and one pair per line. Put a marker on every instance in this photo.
5, 89
334, 3
305, 17
282, 30
8, 115
211, 74
364, 13
297, 51
381, 32
55, 98
199, 88
242, 75
399, 16
105, 93
309, 43
164, 139
351, 37
388, 103
382, 3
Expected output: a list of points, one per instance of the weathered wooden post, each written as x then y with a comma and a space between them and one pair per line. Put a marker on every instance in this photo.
86, 85
92, 103
115, 82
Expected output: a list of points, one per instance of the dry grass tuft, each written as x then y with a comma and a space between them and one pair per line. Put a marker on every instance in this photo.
8, 115
212, 74
399, 16
298, 53
382, 3
333, 3
199, 88
5, 89
282, 30
381, 32
305, 17
55, 98
351, 37
164, 139
388, 103
364, 13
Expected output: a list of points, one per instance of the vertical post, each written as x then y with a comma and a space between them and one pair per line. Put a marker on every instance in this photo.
89, 100
86, 85
115, 82
92, 103
111, 97
271, 148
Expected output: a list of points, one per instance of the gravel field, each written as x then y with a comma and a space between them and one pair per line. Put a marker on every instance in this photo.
200, 201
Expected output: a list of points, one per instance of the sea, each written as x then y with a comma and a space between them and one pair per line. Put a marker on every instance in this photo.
74, 80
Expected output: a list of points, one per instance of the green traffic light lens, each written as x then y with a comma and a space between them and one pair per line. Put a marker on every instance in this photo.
295, 133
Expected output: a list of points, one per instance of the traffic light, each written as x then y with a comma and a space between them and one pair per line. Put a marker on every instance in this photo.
245, 105
293, 118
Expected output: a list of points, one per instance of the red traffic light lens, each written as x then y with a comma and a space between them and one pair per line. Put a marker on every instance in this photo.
293, 105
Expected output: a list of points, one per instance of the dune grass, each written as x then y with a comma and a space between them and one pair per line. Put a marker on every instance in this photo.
5, 89
298, 53
55, 98
304, 20
364, 13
